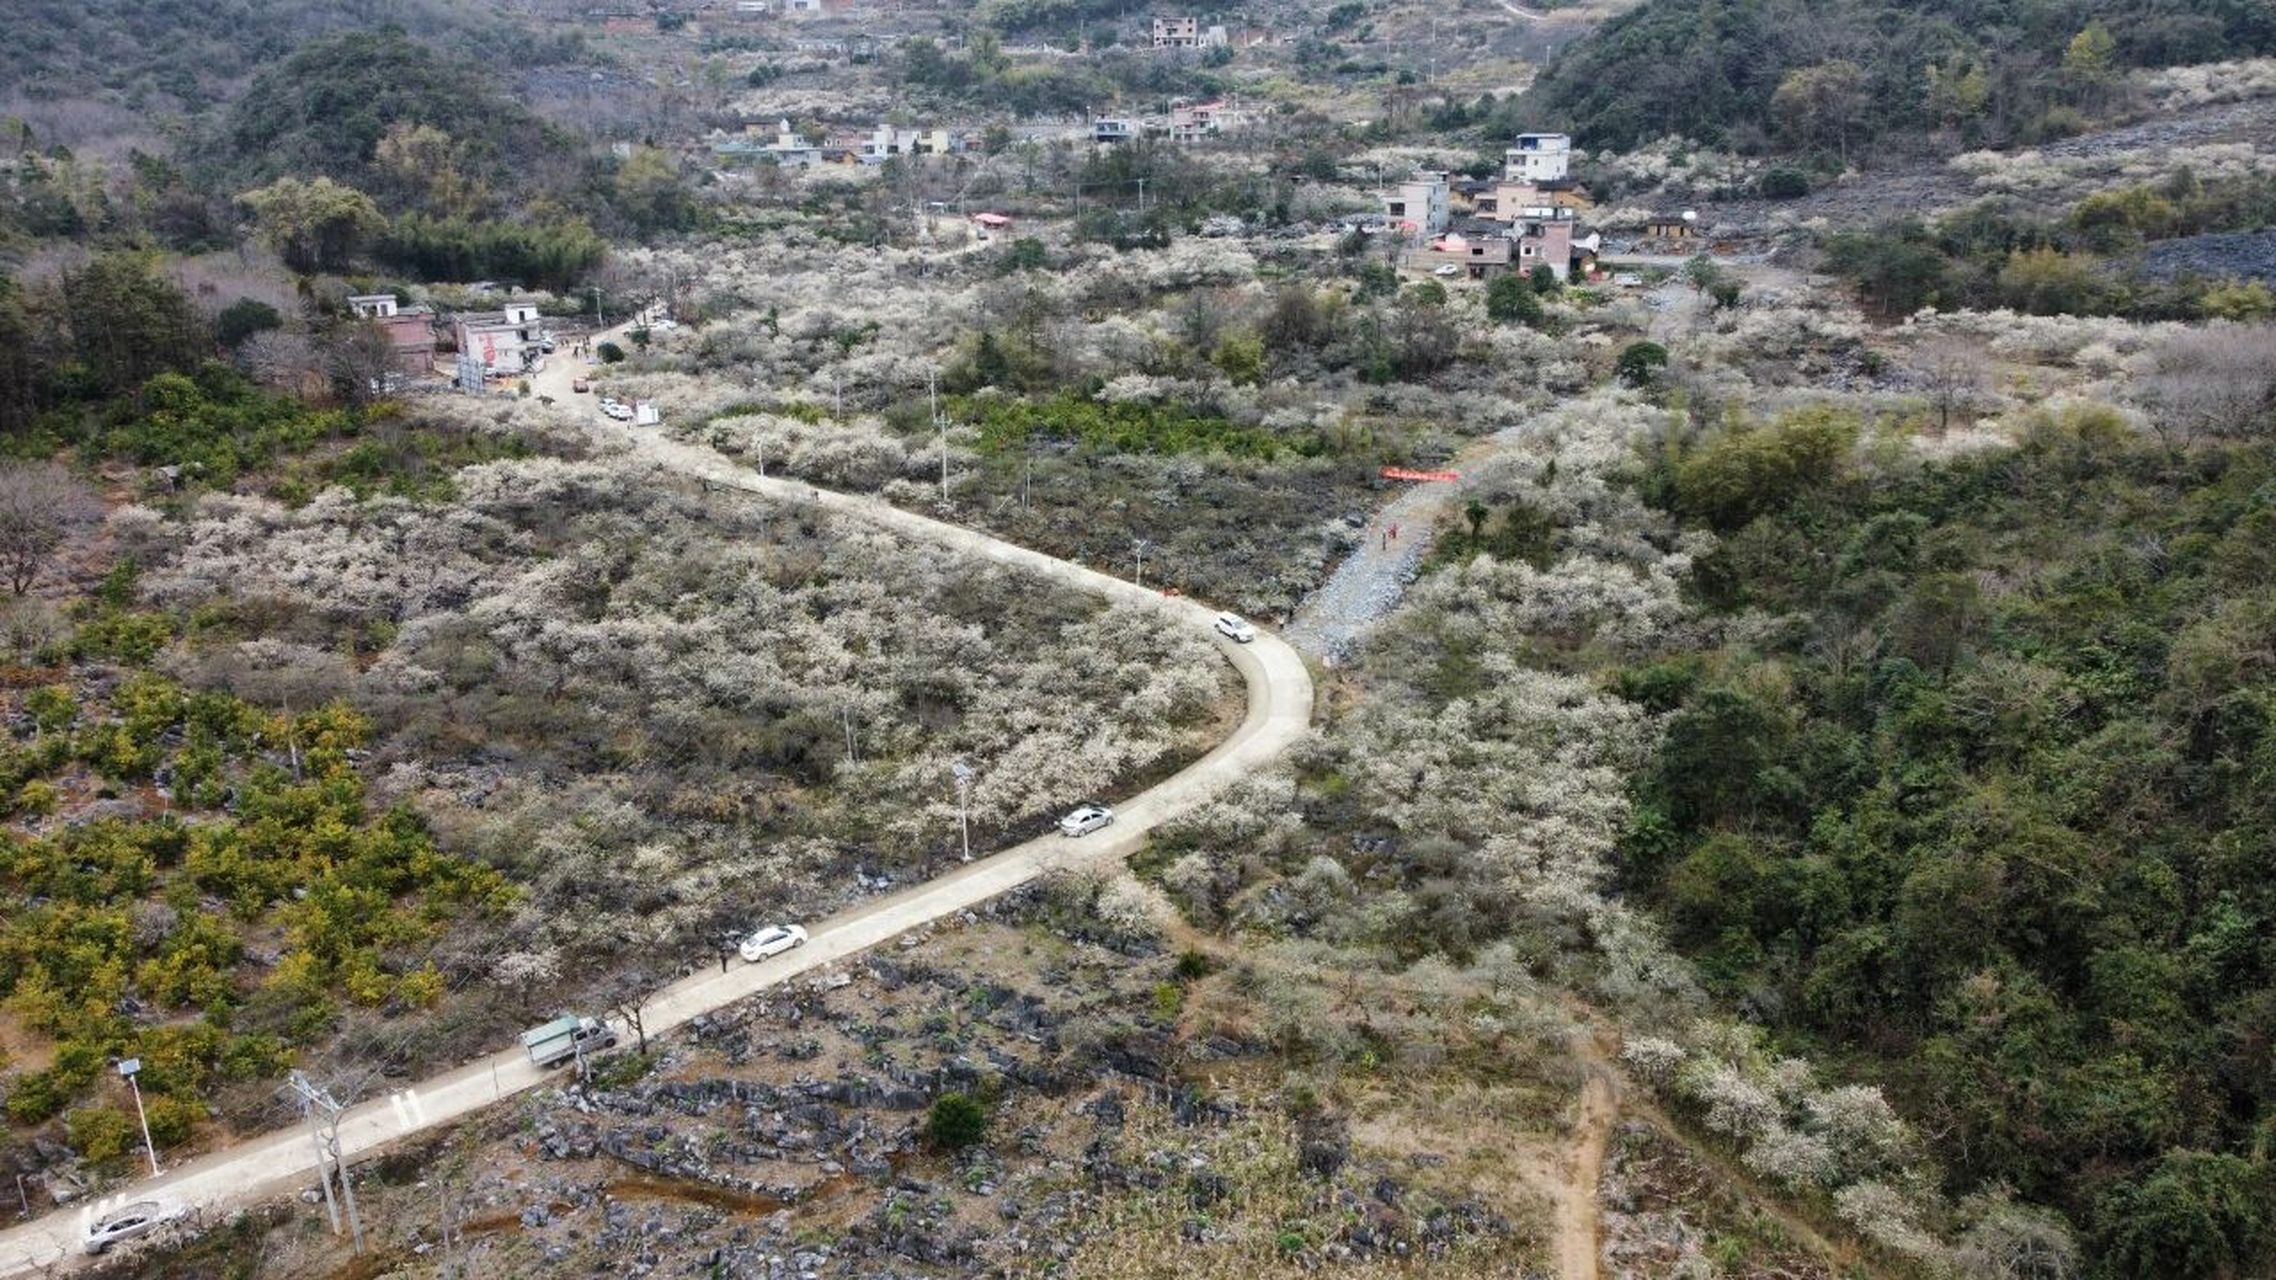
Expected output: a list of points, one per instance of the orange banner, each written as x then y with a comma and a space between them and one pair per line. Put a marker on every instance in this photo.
1401, 473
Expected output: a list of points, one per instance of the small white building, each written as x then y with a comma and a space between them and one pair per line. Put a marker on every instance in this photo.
372, 306
507, 343
1418, 208
1538, 157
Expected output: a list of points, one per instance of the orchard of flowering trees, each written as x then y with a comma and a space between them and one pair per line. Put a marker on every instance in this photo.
423, 766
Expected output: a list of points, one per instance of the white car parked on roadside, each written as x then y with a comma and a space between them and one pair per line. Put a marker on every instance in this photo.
1235, 628
140, 1218
1085, 820
772, 941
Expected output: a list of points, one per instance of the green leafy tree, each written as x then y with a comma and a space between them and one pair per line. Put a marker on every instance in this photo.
2196, 1213
317, 225
1241, 357
1823, 105
1640, 363
1744, 473
126, 323
244, 318
1511, 300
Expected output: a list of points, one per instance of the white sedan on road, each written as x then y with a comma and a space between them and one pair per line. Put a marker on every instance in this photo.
1235, 628
140, 1218
772, 941
1085, 820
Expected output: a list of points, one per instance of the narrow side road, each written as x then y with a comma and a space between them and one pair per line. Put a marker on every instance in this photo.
1279, 712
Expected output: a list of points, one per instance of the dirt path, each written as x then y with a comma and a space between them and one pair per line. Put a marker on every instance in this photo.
1578, 1224
1333, 620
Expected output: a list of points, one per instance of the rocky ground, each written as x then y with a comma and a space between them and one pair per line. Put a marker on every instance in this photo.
2247, 255
784, 1138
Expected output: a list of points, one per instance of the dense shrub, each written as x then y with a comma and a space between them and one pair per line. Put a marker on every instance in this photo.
956, 1121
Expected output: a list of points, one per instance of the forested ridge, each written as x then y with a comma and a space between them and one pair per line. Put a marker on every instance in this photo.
1837, 73
188, 55
1988, 809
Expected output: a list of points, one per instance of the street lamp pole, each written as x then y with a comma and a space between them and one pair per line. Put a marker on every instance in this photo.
1139, 545
129, 1069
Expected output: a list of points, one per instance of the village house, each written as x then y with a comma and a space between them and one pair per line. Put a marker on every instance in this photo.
1108, 131
1672, 226
780, 144
1538, 157
507, 343
1419, 207
410, 330
1184, 33
886, 141
1544, 242
1194, 122
1480, 253
1505, 201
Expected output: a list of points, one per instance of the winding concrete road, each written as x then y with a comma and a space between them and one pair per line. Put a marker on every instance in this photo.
1279, 711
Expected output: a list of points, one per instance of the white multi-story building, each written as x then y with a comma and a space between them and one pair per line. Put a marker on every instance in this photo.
887, 141
1538, 157
506, 343
1177, 33
1418, 207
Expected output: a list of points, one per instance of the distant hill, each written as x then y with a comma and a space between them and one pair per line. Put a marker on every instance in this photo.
323, 110
1994, 70
167, 57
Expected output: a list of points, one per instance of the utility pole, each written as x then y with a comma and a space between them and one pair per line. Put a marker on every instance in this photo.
1141, 197
127, 1070
1139, 545
963, 773
451, 1210
315, 1102
940, 426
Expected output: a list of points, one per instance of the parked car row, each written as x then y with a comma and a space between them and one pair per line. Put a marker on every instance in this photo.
616, 409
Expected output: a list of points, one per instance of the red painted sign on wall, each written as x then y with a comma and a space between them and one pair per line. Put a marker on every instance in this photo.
1402, 473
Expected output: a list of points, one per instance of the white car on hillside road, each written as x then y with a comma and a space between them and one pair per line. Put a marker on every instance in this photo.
772, 941
1235, 628
1085, 820
125, 1223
